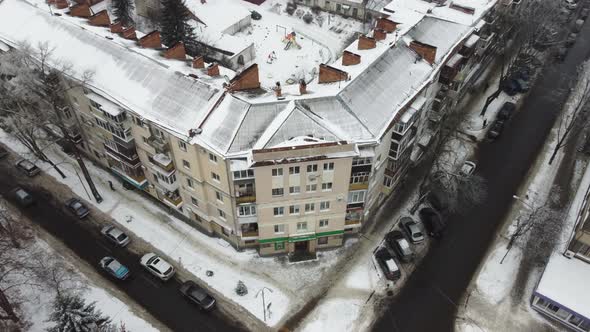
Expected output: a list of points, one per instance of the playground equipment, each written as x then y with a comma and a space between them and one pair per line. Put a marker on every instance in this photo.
290, 40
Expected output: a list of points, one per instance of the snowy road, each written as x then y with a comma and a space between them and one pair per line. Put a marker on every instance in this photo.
162, 300
429, 300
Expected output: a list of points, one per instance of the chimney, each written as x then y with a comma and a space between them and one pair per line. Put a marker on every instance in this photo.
100, 19
151, 40
199, 62
330, 74
62, 4
246, 80
302, 87
176, 52
213, 69
116, 27
80, 10
428, 52
366, 43
386, 25
350, 59
129, 33
379, 34
277, 90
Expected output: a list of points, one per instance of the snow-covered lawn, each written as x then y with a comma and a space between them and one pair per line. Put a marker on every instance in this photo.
37, 304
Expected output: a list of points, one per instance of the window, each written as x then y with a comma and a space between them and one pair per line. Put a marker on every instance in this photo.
323, 223
145, 140
189, 183
194, 201
294, 190
67, 113
322, 240
279, 245
324, 205
277, 192
221, 214
302, 226
359, 177
219, 196
294, 170
212, 157
312, 168
328, 166
279, 229
247, 210
362, 161
215, 176
224, 231
278, 211
309, 207
277, 172
186, 164
182, 146
249, 173
327, 186
311, 188
387, 181
356, 196
294, 209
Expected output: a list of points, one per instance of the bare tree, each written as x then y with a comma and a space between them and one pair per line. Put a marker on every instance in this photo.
523, 35
574, 116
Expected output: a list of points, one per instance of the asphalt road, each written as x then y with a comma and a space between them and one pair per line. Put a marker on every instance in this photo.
428, 301
161, 299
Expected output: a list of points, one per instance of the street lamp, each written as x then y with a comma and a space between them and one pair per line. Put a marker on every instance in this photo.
523, 201
263, 301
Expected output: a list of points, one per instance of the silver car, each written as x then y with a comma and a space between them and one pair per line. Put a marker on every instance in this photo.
412, 229
115, 235
157, 266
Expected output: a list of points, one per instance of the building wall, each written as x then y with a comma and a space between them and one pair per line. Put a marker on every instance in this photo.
556, 311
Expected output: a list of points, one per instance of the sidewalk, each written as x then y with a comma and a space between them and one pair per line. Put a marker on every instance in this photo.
291, 284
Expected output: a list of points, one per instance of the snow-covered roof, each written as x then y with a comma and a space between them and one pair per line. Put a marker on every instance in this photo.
439, 33
172, 100
218, 14
565, 281
446, 11
220, 40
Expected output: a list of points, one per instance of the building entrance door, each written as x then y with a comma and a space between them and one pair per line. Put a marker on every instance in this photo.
302, 246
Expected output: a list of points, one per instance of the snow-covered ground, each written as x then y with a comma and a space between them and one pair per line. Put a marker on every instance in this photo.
319, 43
37, 302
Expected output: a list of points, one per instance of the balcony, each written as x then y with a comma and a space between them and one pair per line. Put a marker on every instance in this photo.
163, 161
158, 143
247, 196
172, 198
249, 230
349, 222
127, 156
138, 179
359, 185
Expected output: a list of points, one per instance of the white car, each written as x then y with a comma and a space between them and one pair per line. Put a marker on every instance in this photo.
157, 266
468, 168
570, 4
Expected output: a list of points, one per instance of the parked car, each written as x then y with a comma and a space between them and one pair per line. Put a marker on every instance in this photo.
584, 13
571, 39
157, 266
433, 222
510, 87
413, 231
560, 53
468, 168
27, 167
115, 235
114, 268
496, 129
77, 207
570, 4
522, 85
23, 197
388, 264
3, 152
578, 25
255, 15
396, 241
197, 295
506, 111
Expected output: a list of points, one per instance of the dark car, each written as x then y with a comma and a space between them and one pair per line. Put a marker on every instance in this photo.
23, 197
27, 167
77, 207
114, 268
506, 111
510, 87
3, 152
560, 53
438, 201
197, 295
433, 222
571, 39
388, 264
496, 129
397, 242
255, 15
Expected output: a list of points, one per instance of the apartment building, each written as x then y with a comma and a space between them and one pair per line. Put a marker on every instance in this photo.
296, 173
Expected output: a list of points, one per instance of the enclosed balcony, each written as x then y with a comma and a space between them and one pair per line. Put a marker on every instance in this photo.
162, 161
249, 230
172, 198
245, 193
158, 143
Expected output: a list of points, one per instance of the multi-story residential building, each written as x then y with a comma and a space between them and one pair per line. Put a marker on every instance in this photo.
296, 173
562, 293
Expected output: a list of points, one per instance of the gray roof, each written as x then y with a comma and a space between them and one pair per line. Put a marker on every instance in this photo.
439, 33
